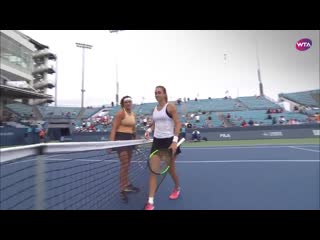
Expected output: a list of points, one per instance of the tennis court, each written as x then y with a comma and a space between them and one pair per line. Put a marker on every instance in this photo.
239, 177
262, 177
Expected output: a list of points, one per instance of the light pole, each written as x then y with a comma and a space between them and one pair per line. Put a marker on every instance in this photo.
225, 58
83, 46
258, 69
116, 60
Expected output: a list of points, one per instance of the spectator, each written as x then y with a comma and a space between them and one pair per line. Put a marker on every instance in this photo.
282, 120
145, 120
196, 135
209, 122
42, 135
274, 120
292, 121
244, 123
183, 131
197, 117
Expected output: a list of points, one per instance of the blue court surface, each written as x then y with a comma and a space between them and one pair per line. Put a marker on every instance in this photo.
261, 177
265, 177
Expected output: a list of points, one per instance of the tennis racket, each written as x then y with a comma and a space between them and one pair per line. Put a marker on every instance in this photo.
160, 159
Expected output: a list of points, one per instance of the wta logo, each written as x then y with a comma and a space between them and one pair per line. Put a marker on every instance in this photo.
303, 44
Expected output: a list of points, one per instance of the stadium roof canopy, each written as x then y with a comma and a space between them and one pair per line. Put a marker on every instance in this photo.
38, 45
13, 92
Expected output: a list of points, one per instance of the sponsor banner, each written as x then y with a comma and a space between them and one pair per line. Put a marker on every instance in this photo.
6, 134
273, 134
225, 135
66, 139
316, 132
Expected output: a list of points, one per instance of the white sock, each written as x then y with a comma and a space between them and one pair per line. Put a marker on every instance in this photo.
150, 200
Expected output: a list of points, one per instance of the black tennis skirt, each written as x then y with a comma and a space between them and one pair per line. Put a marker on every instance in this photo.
124, 136
163, 143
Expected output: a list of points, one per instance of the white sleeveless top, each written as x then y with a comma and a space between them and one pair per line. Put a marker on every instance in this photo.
164, 125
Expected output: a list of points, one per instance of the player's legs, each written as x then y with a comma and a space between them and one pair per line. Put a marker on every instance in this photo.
173, 174
124, 169
172, 170
125, 185
155, 164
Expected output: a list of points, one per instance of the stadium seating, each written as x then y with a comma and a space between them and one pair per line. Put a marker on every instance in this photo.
20, 109
88, 112
241, 108
260, 116
256, 103
306, 98
59, 112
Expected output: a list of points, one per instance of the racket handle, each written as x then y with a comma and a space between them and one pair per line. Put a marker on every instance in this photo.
180, 142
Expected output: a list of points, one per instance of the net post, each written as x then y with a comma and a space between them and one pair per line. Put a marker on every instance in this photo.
40, 179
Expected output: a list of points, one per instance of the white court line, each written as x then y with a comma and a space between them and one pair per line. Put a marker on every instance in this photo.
198, 161
235, 147
56, 155
244, 161
179, 161
16, 162
305, 149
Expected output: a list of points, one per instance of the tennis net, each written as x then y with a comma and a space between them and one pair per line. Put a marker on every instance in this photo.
72, 176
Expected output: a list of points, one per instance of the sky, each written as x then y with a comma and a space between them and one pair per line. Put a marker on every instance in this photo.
189, 63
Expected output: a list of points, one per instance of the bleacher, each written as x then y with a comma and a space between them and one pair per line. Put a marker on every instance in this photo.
260, 116
257, 103
16, 124
312, 112
59, 112
246, 108
88, 112
144, 109
306, 98
292, 115
20, 109
202, 121
213, 105
115, 109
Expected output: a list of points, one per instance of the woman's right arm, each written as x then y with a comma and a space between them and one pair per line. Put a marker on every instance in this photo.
149, 130
115, 125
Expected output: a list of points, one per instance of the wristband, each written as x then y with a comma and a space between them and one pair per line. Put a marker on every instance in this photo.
175, 139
